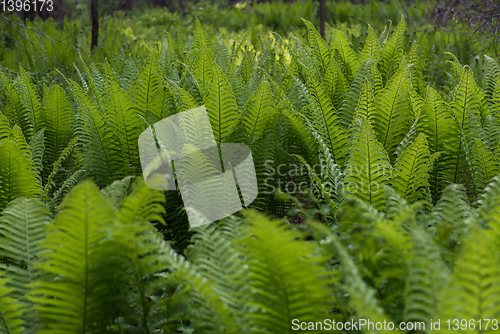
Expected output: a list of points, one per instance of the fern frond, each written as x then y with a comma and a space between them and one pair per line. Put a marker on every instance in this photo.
362, 298
346, 54
17, 174
371, 49
319, 48
411, 171
147, 90
58, 118
324, 119
221, 105
31, 101
335, 83
482, 163
37, 149
347, 110
72, 239
10, 311
366, 103
22, 228
491, 130
368, 168
392, 52
491, 73
14, 110
126, 127
427, 275
97, 139
143, 204
472, 292
283, 270
259, 111
450, 219
395, 112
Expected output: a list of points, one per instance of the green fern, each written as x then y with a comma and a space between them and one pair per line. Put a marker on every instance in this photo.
22, 229
411, 171
221, 105
394, 110
368, 168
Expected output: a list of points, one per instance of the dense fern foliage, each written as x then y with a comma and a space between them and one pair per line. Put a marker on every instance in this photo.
399, 220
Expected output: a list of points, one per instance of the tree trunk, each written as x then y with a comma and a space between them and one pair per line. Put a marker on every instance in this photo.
182, 7
94, 15
322, 18
129, 4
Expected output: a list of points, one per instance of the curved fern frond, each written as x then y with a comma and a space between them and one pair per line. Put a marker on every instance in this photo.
345, 50
362, 297
415, 70
482, 163
347, 110
408, 139
366, 103
221, 105
427, 275
371, 50
14, 110
411, 171
283, 270
31, 101
22, 228
491, 130
450, 219
392, 52
368, 168
472, 292
37, 149
17, 174
335, 83
58, 119
97, 139
10, 311
147, 90
259, 111
324, 119
395, 111
319, 48
143, 204
491, 74
126, 127
71, 239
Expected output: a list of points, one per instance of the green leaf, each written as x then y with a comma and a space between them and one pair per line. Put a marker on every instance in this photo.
371, 49
259, 111
394, 117
319, 48
392, 52
17, 174
283, 272
71, 240
350, 59
221, 105
10, 310
411, 171
22, 228
324, 119
368, 168
471, 293
482, 163
427, 275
